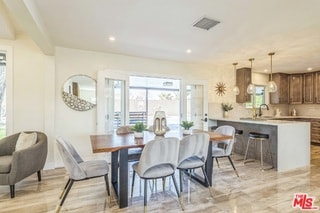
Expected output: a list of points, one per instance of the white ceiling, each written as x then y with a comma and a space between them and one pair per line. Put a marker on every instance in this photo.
163, 29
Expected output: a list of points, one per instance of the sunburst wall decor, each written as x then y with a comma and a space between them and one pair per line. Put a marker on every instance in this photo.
221, 88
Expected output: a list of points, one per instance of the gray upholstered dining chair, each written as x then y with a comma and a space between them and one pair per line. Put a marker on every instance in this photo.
78, 169
159, 159
17, 164
226, 149
192, 155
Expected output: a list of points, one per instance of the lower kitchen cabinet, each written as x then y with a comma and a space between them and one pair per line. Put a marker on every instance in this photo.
315, 131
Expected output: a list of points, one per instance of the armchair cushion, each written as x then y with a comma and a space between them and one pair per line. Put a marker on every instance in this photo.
24, 162
5, 165
26, 140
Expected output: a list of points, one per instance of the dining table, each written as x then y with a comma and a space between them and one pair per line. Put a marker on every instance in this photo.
119, 144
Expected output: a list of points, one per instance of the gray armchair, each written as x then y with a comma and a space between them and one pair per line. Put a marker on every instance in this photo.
17, 165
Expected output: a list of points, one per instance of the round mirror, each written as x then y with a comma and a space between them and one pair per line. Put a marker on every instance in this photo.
79, 92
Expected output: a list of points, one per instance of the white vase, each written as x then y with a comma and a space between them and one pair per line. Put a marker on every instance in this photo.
138, 134
225, 114
187, 131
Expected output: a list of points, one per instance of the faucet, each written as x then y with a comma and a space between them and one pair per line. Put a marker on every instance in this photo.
260, 111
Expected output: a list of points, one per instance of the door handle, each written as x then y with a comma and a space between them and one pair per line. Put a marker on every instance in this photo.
205, 119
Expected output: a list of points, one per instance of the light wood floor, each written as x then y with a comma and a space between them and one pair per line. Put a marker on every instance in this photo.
253, 191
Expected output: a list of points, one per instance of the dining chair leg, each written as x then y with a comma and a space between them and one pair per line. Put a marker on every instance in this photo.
67, 192
177, 191
217, 162
65, 187
163, 183
189, 186
207, 180
107, 184
181, 177
145, 195
132, 183
234, 168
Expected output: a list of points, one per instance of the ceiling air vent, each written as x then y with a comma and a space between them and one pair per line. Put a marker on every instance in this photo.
206, 23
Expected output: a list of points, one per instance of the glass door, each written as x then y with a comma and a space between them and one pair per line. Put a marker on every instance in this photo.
151, 94
115, 107
111, 101
195, 104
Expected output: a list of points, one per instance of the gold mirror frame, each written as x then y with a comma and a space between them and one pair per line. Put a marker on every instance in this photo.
79, 92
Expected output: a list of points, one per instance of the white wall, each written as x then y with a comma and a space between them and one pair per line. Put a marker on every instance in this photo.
77, 126
37, 82
30, 88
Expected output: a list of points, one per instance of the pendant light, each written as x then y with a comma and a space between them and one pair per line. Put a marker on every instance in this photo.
271, 86
251, 89
236, 89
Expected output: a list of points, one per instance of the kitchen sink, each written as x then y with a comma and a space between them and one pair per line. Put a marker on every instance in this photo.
267, 117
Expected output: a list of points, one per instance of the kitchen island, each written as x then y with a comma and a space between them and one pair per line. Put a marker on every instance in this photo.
290, 140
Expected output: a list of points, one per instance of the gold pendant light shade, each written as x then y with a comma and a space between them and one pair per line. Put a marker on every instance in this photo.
271, 86
251, 89
236, 89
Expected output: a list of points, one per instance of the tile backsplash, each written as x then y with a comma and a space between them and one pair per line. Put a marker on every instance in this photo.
306, 109
239, 110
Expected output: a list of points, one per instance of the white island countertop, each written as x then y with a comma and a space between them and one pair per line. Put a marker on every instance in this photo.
263, 121
291, 141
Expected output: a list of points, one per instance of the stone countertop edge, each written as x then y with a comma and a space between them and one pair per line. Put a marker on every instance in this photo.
263, 122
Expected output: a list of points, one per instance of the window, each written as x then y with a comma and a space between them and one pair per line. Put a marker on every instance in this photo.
258, 98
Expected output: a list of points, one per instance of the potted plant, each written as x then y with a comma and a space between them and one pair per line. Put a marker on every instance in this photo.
226, 108
186, 126
138, 129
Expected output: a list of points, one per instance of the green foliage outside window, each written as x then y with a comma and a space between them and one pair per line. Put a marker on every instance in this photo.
258, 98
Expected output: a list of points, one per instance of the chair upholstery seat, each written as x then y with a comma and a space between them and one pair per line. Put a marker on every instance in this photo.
95, 168
5, 165
190, 163
157, 171
78, 169
218, 152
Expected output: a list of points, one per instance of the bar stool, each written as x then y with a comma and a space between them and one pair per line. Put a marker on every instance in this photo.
259, 137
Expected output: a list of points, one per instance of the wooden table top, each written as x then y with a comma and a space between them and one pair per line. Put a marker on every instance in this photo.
114, 142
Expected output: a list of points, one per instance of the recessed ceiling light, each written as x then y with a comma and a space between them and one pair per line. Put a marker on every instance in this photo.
309, 68
111, 38
265, 70
188, 51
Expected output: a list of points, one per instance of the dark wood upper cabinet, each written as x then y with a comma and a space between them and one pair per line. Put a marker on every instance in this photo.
281, 96
243, 79
296, 88
308, 86
317, 87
